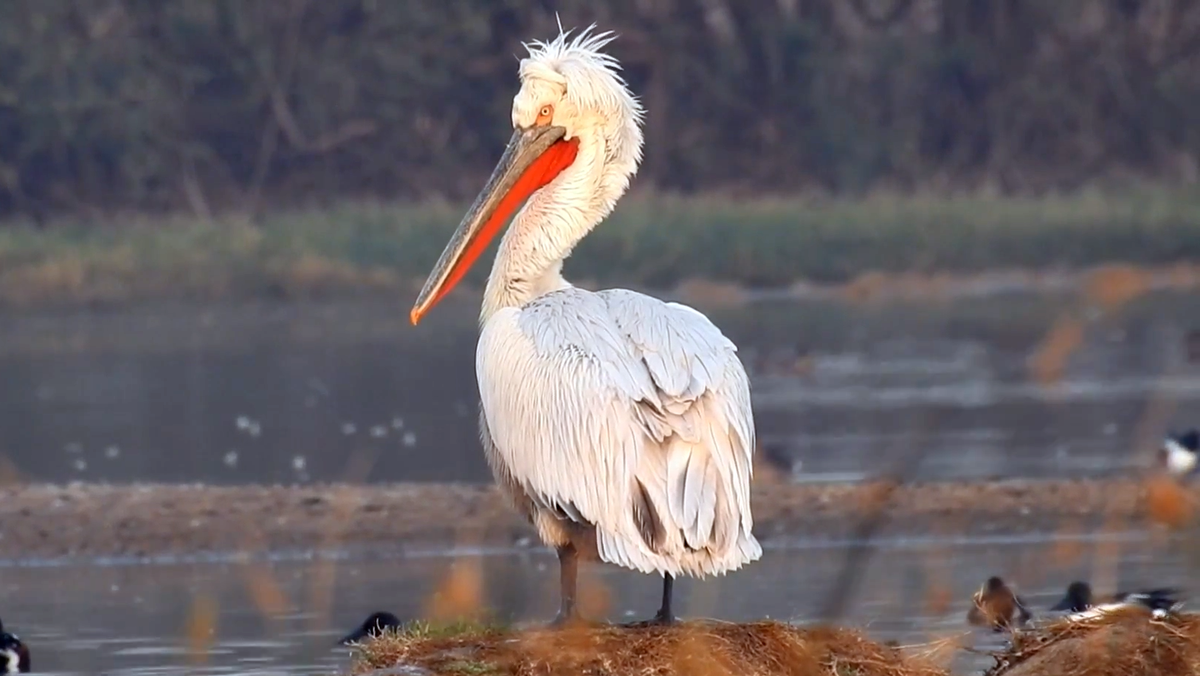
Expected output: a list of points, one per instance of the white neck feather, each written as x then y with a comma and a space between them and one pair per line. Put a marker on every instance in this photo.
555, 218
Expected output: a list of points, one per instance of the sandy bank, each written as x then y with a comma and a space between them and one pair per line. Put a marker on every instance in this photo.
90, 520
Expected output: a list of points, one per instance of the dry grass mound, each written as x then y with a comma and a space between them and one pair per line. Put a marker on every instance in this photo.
691, 648
1127, 642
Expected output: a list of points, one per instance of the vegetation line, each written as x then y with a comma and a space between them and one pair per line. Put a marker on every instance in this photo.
654, 241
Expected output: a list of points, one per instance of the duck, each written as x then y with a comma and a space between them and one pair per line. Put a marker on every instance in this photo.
14, 655
1179, 452
1080, 602
372, 627
997, 605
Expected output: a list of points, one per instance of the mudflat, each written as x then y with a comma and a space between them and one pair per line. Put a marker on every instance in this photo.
85, 520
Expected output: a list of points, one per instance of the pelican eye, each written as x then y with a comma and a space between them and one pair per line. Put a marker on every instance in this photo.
544, 115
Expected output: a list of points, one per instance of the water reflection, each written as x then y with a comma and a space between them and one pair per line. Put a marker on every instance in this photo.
134, 619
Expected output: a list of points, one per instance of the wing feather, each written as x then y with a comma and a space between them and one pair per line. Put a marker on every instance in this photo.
615, 407
709, 361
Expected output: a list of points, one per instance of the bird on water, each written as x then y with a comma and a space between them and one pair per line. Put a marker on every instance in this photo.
1179, 452
372, 627
14, 655
1082, 603
998, 606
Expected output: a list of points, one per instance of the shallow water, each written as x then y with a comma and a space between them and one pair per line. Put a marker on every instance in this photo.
135, 619
306, 392
295, 392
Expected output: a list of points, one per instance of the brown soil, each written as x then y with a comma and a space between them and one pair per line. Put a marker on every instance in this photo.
145, 520
693, 648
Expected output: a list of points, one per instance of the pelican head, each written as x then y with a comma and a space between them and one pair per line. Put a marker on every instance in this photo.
576, 129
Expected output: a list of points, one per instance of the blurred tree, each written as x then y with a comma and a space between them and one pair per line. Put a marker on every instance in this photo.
249, 104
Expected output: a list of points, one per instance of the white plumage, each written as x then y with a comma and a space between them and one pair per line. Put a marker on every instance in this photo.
591, 398
1179, 460
619, 424
12, 661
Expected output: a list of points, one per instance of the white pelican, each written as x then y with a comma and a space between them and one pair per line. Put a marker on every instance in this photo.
619, 425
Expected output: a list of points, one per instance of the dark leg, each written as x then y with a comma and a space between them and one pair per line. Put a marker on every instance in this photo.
665, 616
568, 574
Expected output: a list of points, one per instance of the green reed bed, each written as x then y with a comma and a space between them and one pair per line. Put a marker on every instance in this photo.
651, 241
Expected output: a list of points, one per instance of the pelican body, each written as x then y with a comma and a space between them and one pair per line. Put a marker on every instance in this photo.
619, 425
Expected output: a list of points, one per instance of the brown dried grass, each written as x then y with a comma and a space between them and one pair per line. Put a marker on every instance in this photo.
692, 648
201, 628
1127, 642
1048, 364
1114, 285
1167, 502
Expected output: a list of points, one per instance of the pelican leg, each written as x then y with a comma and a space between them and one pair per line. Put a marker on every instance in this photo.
665, 616
568, 575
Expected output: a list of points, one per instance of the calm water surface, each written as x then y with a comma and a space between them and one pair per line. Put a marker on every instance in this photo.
291, 392
134, 619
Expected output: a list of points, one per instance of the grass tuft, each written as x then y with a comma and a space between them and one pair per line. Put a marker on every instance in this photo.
1127, 642
457, 629
693, 648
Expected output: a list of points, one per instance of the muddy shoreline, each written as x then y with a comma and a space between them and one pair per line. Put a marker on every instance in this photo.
86, 521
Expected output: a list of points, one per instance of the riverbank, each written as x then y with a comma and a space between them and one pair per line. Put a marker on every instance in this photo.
659, 242
85, 521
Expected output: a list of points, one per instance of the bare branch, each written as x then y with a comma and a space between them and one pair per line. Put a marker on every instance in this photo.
192, 191
350, 131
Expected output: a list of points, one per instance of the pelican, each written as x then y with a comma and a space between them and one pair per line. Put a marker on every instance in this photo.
619, 425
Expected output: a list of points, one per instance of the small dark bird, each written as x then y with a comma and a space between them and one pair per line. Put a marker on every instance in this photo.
1079, 599
778, 457
1178, 453
372, 627
997, 606
14, 656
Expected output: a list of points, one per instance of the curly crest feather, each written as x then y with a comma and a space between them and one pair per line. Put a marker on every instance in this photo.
587, 79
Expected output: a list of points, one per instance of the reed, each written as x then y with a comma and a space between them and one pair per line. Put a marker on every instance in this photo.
650, 241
